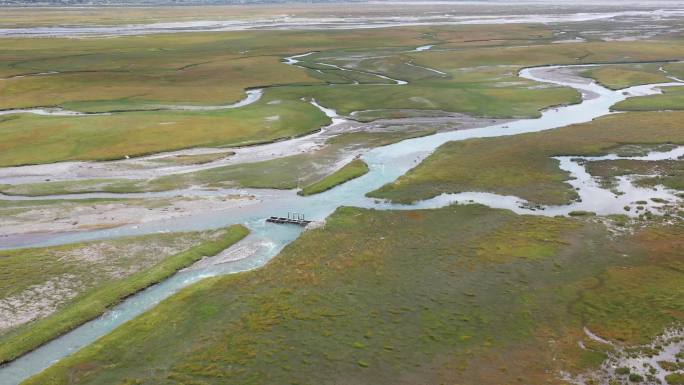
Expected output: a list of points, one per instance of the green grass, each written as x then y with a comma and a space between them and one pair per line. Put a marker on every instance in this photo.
617, 77
191, 68
483, 90
144, 72
154, 77
214, 68
71, 187
631, 305
26, 267
43, 139
464, 61
581, 213
464, 293
349, 171
675, 379
521, 165
672, 98
669, 173
675, 69
485, 100
194, 68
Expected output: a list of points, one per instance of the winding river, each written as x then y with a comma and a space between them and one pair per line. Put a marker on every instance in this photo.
266, 240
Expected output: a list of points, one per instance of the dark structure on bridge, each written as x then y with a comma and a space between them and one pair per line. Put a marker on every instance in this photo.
292, 219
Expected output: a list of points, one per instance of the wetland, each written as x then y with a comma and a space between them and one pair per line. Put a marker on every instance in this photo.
474, 194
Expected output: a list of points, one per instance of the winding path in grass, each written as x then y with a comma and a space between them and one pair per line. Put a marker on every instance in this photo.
266, 240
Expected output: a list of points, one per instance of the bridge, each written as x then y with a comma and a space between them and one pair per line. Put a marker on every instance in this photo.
292, 219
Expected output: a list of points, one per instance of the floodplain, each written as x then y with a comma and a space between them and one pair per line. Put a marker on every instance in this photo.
496, 195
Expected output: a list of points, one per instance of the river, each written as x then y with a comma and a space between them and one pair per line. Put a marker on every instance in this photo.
266, 240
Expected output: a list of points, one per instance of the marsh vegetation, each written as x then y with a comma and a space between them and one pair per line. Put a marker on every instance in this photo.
387, 294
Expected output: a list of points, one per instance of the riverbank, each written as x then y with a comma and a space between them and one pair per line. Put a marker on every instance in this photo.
20, 336
435, 295
32, 218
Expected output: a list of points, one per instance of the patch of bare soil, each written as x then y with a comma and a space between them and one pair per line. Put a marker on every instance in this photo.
37, 301
87, 216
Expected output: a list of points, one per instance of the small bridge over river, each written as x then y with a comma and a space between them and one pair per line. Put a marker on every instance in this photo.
292, 219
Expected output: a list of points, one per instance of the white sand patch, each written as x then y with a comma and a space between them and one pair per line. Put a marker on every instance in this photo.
37, 301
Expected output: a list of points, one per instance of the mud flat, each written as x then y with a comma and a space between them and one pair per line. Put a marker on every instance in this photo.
70, 216
286, 22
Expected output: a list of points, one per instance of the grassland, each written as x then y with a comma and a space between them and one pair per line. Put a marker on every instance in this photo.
631, 305
193, 68
672, 98
349, 171
100, 74
130, 74
92, 277
617, 77
521, 165
93, 82
478, 80
44, 139
674, 69
485, 100
145, 72
464, 293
